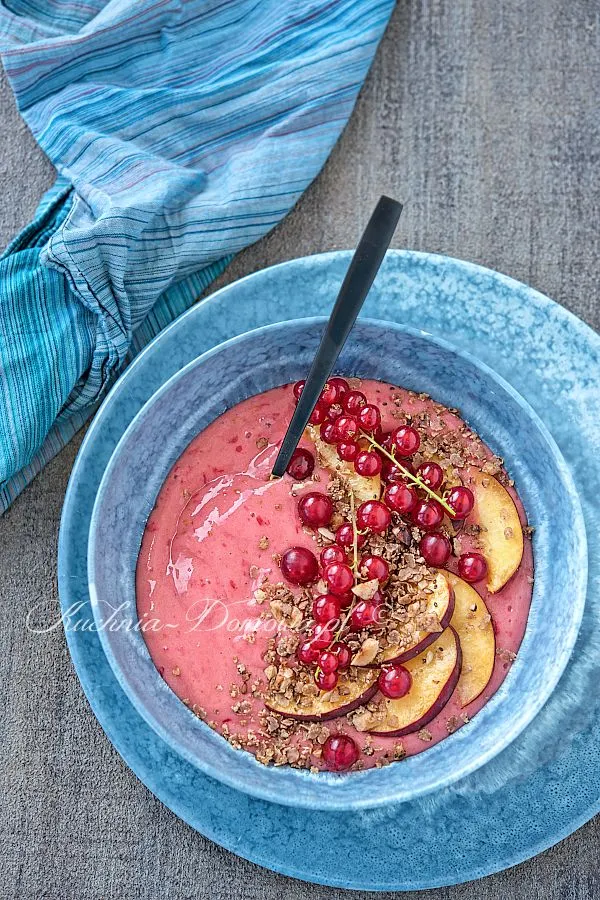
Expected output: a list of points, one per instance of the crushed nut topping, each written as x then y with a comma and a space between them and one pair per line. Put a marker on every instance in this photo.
367, 653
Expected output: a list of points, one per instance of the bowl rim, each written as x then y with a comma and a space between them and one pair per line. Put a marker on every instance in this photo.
338, 804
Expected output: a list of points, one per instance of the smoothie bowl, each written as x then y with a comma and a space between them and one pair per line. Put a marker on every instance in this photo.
371, 627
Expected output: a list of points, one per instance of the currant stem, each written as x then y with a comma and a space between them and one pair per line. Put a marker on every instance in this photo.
409, 475
346, 618
354, 536
345, 621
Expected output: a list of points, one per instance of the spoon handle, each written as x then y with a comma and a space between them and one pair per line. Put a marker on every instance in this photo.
361, 273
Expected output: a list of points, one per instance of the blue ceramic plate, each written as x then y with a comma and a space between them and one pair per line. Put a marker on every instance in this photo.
542, 787
278, 354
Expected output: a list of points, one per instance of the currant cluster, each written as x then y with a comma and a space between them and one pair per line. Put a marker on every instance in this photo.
300, 566
353, 425
339, 608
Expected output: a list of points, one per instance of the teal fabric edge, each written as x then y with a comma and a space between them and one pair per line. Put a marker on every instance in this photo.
168, 307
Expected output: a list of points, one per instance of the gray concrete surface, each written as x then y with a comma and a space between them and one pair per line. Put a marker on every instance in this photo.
482, 116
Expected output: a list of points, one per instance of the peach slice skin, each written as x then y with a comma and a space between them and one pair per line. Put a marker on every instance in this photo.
361, 683
433, 684
477, 640
502, 536
441, 604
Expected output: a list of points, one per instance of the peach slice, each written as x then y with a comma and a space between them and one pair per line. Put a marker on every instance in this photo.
355, 687
363, 487
501, 538
441, 605
473, 624
435, 675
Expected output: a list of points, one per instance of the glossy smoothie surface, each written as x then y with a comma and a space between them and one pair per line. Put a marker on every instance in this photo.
217, 530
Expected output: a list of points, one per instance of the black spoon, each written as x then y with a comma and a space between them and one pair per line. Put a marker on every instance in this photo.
361, 273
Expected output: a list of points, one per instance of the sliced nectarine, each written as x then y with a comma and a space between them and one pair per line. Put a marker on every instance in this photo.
473, 624
364, 487
355, 687
441, 605
435, 674
501, 537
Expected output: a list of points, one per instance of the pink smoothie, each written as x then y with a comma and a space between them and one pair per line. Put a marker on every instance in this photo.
216, 533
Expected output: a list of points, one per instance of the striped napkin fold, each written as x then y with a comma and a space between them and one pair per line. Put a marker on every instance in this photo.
182, 131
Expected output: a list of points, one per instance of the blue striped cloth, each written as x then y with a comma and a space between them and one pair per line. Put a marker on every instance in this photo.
182, 131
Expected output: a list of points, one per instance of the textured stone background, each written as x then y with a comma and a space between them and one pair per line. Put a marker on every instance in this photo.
482, 116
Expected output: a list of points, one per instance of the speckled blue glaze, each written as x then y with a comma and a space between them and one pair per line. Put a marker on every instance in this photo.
542, 787
281, 353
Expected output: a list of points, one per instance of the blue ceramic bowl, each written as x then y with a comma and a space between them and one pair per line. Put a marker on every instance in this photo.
281, 353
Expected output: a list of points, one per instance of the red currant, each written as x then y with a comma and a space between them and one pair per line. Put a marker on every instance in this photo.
400, 497
340, 384
394, 682
472, 567
326, 680
322, 636
307, 653
461, 500
340, 752
332, 554
353, 401
299, 566
347, 599
318, 414
390, 471
373, 515
395, 473
373, 566
344, 536
328, 661
342, 651
339, 577
329, 394
387, 441
334, 412
326, 608
298, 387
428, 514
347, 428
315, 509
348, 450
369, 418
368, 463
431, 474
406, 440
435, 549
329, 433
301, 465
365, 614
